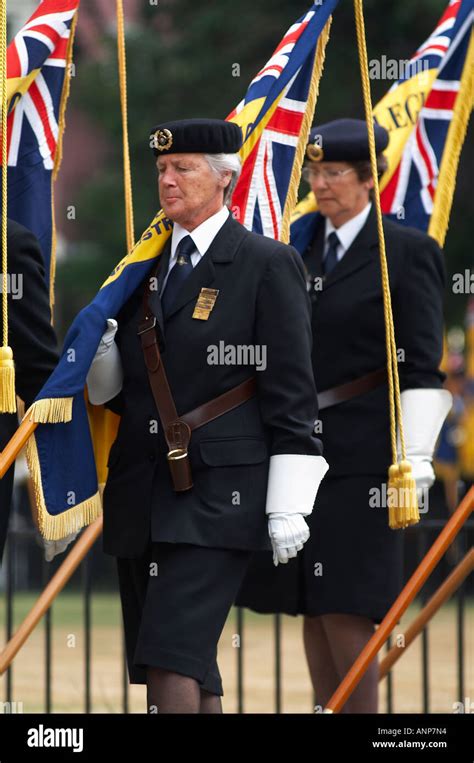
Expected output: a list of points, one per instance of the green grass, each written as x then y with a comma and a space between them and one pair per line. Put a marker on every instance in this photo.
68, 609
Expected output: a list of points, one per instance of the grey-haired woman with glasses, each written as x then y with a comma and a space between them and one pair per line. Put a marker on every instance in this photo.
350, 571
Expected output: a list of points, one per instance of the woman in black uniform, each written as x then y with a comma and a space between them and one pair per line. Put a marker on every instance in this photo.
349, 572
182, 545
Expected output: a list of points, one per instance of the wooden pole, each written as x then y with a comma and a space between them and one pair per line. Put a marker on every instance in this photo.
55, 585
444, 539
443, 593
17, 442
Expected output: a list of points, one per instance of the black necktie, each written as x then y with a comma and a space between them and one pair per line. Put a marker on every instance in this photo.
178, 273
330, 260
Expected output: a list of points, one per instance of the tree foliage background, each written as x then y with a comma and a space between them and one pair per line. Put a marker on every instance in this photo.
181, 60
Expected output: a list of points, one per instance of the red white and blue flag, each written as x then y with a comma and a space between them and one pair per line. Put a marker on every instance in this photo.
417, 111
431, 80
37, 76
271, 115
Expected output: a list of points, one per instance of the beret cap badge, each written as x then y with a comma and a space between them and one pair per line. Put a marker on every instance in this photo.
344, 140
196, 136
314, 152
163, 140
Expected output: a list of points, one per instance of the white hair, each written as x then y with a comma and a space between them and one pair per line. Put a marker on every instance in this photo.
221, 162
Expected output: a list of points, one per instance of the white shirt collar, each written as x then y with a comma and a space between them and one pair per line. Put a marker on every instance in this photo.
203, 235
347, 232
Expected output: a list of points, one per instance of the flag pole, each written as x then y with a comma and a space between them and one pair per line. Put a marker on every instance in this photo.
17, 442
450, 585
419, 577
48, 595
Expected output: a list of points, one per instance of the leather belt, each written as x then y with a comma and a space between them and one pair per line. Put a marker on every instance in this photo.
347, 391
177, 429
221, 404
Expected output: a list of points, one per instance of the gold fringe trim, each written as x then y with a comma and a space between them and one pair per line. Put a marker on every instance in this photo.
59, 156
292, 195
52, 410
64, 99
56, 527
439, 221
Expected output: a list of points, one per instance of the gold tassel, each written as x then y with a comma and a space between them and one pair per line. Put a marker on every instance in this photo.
7, 381
392, 495
402, 496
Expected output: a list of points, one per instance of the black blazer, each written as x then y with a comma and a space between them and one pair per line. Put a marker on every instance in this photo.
262, 301
349, 335
31, 337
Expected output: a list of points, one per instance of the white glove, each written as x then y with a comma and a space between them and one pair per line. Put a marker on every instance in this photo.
293, 482
105, 377
288, 533
424, 411
423, 473
54, 547
107, 338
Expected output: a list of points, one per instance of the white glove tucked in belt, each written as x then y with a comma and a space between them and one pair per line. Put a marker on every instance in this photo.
293, 482
105, 377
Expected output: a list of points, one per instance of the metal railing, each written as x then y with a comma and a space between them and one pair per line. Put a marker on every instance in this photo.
17, 571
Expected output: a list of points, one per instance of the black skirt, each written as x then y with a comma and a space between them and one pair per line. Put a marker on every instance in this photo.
351, 564
175, 602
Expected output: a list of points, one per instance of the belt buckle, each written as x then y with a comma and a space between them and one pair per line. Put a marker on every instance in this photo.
148, 328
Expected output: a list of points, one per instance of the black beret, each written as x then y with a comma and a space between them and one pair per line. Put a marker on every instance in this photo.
344, 140
196, 136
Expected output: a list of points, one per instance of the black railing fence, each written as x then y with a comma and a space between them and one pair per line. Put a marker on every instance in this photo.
24, 566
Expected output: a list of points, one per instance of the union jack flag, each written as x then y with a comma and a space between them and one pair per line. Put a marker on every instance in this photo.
270, 115
431, 80
37, 61
417, 111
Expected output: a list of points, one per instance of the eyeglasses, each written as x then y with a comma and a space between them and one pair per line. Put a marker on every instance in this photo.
310, 174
